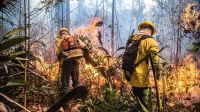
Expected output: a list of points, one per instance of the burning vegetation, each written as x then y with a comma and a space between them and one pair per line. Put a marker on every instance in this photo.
191, 18
179, 86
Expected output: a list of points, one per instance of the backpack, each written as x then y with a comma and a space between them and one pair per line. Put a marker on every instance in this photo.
130, 53
70, 43
71, 48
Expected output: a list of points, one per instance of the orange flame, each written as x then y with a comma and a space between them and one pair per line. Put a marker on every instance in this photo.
91, 31
187, 74
190, 18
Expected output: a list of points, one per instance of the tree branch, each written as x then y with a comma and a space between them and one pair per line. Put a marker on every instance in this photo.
12, 101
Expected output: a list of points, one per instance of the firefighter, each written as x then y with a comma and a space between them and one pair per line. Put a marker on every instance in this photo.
139, 78
69, 49
58, 51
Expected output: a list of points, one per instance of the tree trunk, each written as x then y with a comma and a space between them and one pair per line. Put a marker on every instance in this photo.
20, 14
178, 40
25, 34
2, 23
112, 31
62, 13
68, 14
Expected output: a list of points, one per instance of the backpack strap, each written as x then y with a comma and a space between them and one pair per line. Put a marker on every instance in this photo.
143, 37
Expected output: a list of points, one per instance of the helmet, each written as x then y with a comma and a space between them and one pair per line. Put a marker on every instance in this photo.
148, 23
63, 29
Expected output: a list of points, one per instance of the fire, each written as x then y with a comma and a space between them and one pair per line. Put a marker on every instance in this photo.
42, 65
51, 70
91, 31
91, 70
181, 82
190, 18
48, 70
186, 75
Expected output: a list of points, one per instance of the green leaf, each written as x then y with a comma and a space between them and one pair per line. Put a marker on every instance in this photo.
17, 53
12, 42
12, 32
13, 56
16, 82
20, 59
193, 48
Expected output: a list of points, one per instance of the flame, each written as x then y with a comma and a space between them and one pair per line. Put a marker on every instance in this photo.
91, 70
190, 18
50, 71
180, 82
187, 74
91, 31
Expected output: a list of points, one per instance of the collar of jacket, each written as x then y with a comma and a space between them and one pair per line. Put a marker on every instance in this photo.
144, 32
59, 37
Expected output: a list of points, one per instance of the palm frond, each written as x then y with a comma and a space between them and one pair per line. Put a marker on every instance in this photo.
12, 32
12, 42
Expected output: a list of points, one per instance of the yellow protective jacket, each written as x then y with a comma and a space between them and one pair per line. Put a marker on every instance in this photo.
58, 50
140, 77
